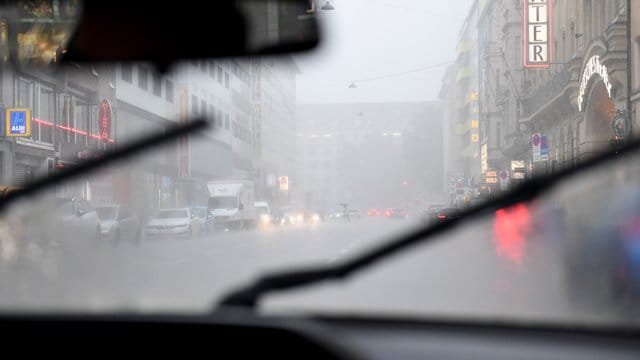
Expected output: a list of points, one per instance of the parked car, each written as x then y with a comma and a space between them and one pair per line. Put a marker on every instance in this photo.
174, 222
118, 223
76, 216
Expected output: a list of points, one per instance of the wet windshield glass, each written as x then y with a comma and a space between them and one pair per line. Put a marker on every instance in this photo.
409, 113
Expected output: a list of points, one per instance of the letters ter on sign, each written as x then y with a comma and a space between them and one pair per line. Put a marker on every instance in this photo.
536, 33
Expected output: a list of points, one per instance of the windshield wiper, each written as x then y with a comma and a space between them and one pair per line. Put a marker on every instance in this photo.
249, 296
122, 152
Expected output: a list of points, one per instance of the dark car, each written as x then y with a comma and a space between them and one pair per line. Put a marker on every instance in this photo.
445, 214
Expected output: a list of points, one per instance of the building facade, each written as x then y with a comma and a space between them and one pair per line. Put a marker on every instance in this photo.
577, 102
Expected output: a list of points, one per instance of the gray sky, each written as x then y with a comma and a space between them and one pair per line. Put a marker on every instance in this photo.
366, 39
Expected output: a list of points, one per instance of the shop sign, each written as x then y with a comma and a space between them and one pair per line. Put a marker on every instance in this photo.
484, 158
544, 148
535, 144
537, 33
104, 120
593, 67
18, 123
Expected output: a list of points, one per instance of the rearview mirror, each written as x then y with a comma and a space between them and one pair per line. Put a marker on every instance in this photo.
181, 31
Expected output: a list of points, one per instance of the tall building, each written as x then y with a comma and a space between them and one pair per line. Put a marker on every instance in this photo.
368, 154
273, 102
575, 101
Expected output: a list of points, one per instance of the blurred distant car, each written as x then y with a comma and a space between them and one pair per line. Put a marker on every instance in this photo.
177, 222
446, 214
431, 211
76, 217
263, 214
205, 216
354, 214
118, 222
373, 212
395, 213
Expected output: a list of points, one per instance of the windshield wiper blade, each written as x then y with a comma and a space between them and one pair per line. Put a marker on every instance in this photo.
122, 152
249, 296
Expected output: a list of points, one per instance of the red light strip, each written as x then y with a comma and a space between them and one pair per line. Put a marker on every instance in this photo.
70, 129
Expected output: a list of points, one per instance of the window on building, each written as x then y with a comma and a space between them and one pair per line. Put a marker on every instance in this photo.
143, 78
126, 72
157, 85
81, 120
219, 74
46, 112
194, 104
226, 80
25, 93
168, 84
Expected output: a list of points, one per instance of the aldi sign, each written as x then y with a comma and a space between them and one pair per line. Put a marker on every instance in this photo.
537, 33
18, 123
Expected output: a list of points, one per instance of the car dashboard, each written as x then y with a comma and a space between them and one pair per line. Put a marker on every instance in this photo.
245, 335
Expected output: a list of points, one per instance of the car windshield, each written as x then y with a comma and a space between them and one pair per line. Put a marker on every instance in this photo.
172, 214
408, 109
220, 202
107, 212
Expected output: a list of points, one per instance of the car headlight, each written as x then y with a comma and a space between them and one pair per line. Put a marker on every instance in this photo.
265, 218
300, 217
315, 217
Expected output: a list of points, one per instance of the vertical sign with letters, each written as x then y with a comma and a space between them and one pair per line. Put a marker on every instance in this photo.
537, 33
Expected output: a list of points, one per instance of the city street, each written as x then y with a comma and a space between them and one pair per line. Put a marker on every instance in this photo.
464, 275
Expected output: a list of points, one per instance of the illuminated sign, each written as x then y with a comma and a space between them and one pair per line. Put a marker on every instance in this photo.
484, 163
104, 120
475, 137
592, 68
492, 180
18, 123
491, 174
284, 183
475, 124
537, 33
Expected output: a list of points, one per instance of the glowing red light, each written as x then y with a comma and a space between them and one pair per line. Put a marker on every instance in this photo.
70, 129
511, 227
442, 216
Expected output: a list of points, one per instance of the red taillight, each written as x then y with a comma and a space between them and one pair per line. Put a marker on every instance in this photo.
442, 216
377, 213
387, 213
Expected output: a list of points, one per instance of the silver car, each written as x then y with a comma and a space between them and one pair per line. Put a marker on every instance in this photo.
118, 223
